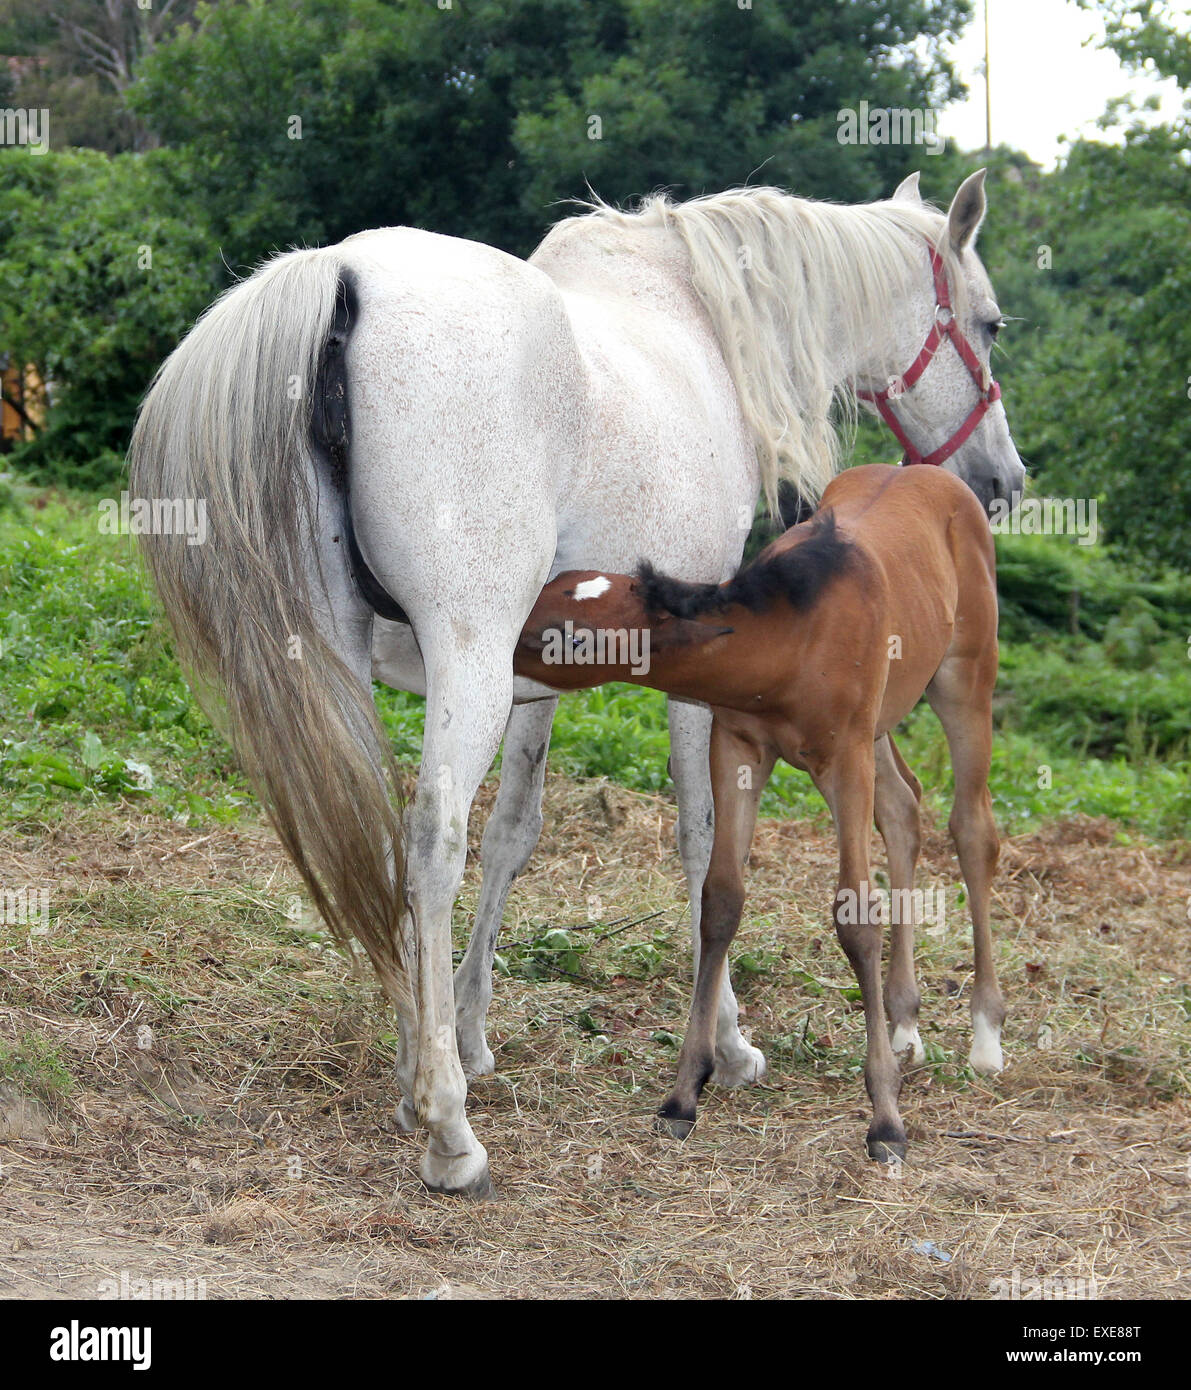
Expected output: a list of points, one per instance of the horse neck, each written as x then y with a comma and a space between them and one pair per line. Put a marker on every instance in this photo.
803, 297
833, 279
742, 663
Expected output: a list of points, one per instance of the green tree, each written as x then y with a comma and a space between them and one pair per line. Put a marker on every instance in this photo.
102, 269
81, 55
475, 120
1092, 261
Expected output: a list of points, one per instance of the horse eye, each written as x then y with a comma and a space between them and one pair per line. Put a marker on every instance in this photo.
995, 327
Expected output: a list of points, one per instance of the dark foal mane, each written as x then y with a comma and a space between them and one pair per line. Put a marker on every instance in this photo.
797, 575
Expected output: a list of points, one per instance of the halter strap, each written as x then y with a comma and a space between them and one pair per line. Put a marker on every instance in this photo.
944, 326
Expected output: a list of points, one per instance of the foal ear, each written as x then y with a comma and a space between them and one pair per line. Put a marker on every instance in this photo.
684, 632
907, 190
966, 212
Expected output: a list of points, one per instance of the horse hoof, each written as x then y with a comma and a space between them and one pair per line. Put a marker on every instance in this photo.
458, 1177
986, 1057
907, 1046
406, 1118
887, 1145
743, 1069
986, 1063
478, 1062
673, 1126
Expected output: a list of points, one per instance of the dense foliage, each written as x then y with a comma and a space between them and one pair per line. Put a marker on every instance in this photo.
299, 123
1093, 721
101, 271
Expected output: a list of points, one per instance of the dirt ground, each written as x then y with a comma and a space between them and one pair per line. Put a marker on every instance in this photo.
195, 1084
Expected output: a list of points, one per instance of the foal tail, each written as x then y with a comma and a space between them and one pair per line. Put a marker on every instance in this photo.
796, 574
227, 424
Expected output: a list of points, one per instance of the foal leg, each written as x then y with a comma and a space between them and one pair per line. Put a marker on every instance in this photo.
961, 695
847, 786
509, 838
737, 1062
896, 807
735, 760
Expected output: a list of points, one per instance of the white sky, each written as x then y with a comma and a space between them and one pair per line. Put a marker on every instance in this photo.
1047, 82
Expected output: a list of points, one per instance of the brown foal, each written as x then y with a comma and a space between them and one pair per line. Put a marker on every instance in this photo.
812, 654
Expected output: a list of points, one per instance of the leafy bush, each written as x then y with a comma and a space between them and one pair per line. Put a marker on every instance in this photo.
103, 267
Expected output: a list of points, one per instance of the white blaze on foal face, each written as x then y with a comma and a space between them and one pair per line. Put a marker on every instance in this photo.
592, 588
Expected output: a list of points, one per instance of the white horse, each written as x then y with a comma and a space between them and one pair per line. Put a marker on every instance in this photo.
427, 428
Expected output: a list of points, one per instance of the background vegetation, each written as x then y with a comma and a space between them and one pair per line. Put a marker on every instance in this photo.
1093, 721
174, 166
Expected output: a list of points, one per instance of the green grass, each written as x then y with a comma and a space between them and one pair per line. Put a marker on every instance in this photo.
1093, 720
36, 1067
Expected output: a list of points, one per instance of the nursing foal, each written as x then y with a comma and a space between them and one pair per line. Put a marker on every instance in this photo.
812, 654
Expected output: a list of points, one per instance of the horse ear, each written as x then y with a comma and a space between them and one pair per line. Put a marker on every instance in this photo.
907, 190
684, 632
966, 212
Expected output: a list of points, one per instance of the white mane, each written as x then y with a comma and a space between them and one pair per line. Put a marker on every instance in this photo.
793, 287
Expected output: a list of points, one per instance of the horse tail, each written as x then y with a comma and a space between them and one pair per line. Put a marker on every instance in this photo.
232, 424
796, 574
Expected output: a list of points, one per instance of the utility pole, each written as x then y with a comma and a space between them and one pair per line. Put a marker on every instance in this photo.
987, 88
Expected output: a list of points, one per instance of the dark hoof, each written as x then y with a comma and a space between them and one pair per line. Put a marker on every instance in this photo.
673, 1125
887, 1150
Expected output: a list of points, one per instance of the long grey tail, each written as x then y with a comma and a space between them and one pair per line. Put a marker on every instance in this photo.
231, 420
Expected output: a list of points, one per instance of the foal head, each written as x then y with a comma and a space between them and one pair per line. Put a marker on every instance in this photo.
943, 404
588, 627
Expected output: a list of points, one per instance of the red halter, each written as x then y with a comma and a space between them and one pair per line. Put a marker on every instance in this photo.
944, 326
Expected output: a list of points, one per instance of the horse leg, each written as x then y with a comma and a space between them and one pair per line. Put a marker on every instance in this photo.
509, 838
961, 695
737, 1062
903, 768
467, 705
740, 767
896, 808
847, 786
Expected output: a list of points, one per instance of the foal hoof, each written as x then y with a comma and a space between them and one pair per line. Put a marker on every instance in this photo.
887, 1145
671, 1123
907, 1046
986, 1057
742, 1069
